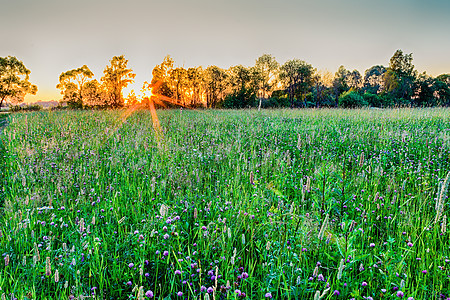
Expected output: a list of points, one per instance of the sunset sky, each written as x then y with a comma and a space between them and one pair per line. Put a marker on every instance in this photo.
53, 36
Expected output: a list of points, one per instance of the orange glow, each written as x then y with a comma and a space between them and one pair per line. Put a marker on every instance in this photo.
141, 91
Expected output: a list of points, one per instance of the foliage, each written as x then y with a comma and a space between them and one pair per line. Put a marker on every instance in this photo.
351, 99
30, 107
14, 80
243, 98
297, 77
116, 77
73, 83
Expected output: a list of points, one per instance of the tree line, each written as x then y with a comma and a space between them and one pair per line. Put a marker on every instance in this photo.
268, 83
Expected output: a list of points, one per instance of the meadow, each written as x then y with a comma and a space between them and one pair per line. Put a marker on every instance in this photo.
281, 204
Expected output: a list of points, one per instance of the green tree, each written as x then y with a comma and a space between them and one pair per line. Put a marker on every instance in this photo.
351, 99
14, 80
72, 83
116, 77
400, 77
215, 85
373, 79
297, 77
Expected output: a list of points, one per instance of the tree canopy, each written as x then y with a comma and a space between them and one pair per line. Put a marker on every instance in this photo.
14, 80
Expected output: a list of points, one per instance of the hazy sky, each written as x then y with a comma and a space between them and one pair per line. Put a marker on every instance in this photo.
53, 36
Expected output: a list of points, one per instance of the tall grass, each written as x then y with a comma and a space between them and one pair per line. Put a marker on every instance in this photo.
282, 204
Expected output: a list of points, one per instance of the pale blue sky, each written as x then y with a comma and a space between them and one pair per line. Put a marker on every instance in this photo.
53, 36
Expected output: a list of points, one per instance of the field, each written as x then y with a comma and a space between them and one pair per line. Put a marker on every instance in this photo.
282, 204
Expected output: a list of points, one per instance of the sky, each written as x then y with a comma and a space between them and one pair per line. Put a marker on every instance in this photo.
54, 36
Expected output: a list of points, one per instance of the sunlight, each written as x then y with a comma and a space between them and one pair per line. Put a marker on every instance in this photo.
140, 90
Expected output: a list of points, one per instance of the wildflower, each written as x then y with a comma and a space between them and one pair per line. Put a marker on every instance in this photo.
268, 295
320, 277
129, 283
424, 272
364, 283
130, 265
177, 272
165, 253
400, 294
410, 298
6, 260
56, 275
336, 292
202, 288
48, 267
410, 244
179, 294
149, 294
372, 245
210, 290
245, 275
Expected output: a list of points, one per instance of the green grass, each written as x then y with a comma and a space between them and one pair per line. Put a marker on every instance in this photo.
270, 201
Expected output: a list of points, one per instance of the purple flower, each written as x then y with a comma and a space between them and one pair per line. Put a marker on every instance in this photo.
203, 288
410, 298
129, 283
410, 244
372, 245
268, 295
165, 253
149, 294
424, 272
336, 292
210, 290
147, 274
130, 265
238, 292
400, 294
179, 294
166, 236
245, 275
177, 272
320, 277
364, 283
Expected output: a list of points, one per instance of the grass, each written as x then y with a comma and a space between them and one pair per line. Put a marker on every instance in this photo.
288, 204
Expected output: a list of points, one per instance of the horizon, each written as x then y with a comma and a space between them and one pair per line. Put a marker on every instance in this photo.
52, 38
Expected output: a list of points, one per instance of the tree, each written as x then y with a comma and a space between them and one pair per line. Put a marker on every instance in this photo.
239, 78
116, 77
160, 79
215, 85
196, 86
400, 77
72, 83
177, 83
297, 77
373, 79
264, 76
14, 80
351, 99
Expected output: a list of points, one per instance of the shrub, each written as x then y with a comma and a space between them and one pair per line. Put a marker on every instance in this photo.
351, 99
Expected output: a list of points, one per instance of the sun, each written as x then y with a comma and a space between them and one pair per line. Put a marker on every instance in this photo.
140, 89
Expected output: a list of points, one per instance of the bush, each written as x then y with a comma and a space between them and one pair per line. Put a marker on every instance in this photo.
351, 99
374, 100
31, 107
241, 99
274, 102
